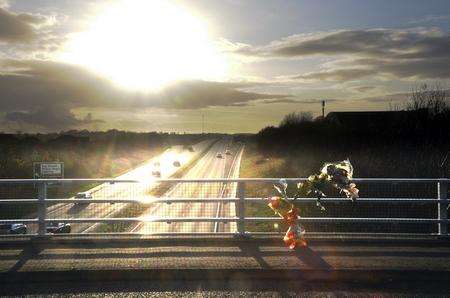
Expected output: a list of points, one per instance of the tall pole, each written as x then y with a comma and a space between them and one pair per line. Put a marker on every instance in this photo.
203, 123
323, 108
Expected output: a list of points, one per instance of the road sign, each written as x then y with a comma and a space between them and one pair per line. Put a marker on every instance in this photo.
48, 170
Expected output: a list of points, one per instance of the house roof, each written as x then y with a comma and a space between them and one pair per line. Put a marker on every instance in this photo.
373, 119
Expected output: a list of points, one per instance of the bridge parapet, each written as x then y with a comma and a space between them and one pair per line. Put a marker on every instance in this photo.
215, 207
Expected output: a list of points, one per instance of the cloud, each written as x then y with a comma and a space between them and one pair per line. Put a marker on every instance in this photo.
343, 74
16, 28
200, 94
415, 53
50, 117
295, 101
45, 93
363, 89
431, 19
26, 35
396, 97
4, 3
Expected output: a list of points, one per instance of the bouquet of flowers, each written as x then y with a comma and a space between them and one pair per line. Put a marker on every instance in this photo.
337, 175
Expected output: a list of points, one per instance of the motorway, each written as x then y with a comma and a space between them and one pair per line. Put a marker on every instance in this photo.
126, 190
209, 166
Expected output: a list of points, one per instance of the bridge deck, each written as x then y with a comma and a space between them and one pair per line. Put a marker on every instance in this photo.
212, 258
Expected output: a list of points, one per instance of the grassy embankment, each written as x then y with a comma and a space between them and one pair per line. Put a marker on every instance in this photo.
256, 165
302, 163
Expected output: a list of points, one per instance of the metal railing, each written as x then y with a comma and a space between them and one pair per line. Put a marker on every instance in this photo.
426, 199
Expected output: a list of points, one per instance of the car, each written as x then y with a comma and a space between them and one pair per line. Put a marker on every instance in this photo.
156, 173
176, 163
228, 152
156, 164
190, 149
59, 228
13, 229
83, 196
219, 155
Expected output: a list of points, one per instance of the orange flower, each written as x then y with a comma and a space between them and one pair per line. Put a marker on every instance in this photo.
274, 203
295, 237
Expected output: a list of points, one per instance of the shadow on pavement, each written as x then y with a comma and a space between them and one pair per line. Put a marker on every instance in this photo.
27, 254
306, 255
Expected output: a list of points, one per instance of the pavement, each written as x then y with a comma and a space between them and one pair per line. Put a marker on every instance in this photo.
219, 258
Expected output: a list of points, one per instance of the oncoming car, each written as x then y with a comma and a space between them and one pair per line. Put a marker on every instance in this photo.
13, 229
219, 155
59, 228
176, 163
156, 174
83, 196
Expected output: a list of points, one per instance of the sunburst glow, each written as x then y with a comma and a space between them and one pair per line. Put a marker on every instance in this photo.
145, 44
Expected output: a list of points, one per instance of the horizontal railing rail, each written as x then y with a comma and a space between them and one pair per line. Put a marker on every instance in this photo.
146, 200
207, 180
42, 219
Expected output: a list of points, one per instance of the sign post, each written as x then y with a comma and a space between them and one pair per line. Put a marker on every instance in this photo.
48, 170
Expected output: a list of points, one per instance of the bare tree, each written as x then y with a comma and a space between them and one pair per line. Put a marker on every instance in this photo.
296, 118
432, 99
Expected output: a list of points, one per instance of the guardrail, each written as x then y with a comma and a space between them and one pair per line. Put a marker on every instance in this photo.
241, 211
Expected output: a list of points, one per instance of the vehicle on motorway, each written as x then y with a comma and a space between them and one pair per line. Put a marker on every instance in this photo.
83, 196
219, 155
59, 228
190, 149
156, 174
13, 229
176, 163
228, 152
156, 164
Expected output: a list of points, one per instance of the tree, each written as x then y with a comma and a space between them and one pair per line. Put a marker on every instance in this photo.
293, 119
428, 98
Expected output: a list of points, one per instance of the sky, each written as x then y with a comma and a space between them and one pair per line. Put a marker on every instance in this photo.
164, 65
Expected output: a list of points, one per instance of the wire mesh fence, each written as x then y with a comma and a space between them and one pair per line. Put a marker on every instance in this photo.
414, 201
211, 206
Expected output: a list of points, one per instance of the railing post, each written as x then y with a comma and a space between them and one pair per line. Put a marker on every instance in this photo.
240, 208
42, 208
442, 208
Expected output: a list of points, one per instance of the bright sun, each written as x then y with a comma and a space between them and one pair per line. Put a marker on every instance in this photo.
146, 44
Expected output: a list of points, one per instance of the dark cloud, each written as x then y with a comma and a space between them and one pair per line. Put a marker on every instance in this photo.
344, 74
295, 101
363, 89
402, 53
17, 27
45, 93
395, 97
55, 117
199, 94
373, 42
